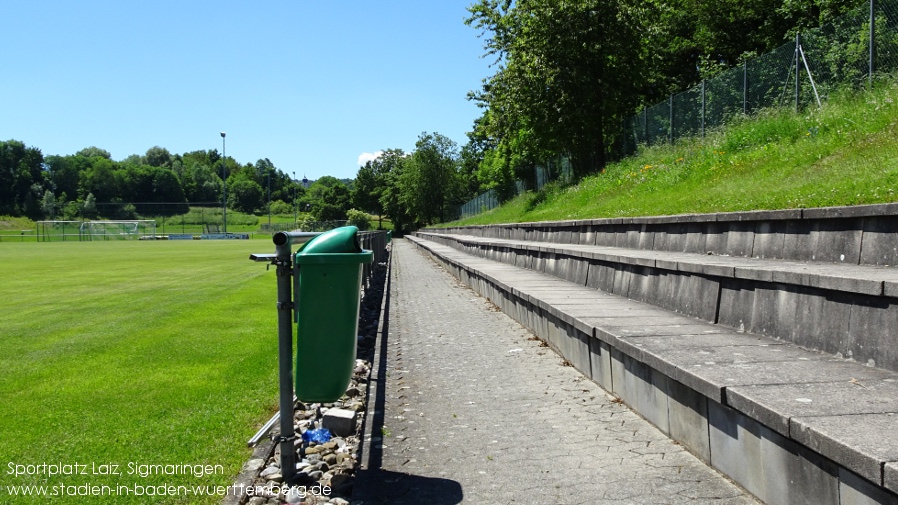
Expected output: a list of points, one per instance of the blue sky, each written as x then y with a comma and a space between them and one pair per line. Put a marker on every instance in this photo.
312, 86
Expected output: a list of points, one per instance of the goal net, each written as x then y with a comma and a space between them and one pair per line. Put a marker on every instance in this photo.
118, 230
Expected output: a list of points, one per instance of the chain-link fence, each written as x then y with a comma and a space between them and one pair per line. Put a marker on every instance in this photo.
555, 170
853, 50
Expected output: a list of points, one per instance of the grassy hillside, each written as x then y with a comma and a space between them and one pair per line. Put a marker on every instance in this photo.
843, 154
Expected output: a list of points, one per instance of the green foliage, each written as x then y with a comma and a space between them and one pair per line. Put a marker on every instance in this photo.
306, 223
244, 194
565, 81
359, 219
368, 187
281, 207
22, 183
392, 166
48, 204
843, 154
430, 184
94, 152
89, 207
157, 157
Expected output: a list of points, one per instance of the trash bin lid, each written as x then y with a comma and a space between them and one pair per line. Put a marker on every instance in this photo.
339, 245
339, 240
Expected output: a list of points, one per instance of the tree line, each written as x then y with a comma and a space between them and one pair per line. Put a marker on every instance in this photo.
77, 186
421, 187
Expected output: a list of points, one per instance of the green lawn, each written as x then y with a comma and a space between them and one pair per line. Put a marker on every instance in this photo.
134, 352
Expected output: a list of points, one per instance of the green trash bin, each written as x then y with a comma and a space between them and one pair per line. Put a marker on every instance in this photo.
328, 280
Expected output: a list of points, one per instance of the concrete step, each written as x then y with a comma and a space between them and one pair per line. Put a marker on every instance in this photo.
845, 310
789, 424
861, 234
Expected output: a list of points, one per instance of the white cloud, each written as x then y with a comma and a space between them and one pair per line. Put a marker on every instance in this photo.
366, 157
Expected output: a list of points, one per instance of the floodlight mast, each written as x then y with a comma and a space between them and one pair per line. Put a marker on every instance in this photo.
224, 186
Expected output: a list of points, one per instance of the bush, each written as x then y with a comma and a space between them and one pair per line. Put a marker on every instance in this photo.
281, 207
359, 219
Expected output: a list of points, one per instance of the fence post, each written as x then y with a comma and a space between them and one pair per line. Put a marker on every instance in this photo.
745, 87
797, 69
872, 44
645, 124
670, 131
703, 108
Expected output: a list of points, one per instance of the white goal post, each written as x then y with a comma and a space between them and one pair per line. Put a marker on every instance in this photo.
135, 229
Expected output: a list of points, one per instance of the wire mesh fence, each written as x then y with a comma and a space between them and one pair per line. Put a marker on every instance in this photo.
555, 170
852, 50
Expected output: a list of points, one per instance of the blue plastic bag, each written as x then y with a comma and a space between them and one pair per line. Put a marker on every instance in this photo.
319, 436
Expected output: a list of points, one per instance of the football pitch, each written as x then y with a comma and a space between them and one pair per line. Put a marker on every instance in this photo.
132, 372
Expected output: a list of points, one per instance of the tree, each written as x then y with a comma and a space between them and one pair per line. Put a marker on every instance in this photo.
335, 201
99, 178
94, 152
65, 173
365, 193
244, 195
430, 185
89, 208
157, 157
48, 205
565, 75
21, 179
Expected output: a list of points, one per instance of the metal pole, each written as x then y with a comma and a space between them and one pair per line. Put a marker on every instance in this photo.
745, 87
269, 199
224, 186
285, 360
872, 44
670, 131
810, 77
645, 125
797, 69
703, 108
294, 199
286, 305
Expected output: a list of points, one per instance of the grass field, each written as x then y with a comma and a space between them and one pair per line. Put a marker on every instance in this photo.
133, 353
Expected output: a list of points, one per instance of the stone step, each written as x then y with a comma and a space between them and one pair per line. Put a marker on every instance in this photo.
861, 234
845, 310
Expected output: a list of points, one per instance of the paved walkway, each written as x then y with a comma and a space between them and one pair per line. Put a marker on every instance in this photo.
468, 407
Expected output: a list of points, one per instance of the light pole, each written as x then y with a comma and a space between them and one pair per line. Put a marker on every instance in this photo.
224, 186
269, 198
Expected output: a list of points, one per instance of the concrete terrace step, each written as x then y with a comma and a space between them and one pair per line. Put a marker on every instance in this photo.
842, 309
789, 424
861, 234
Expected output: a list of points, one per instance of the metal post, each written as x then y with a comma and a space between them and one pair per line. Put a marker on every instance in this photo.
285, 359
797, 69
670, 131
645, 124
703, 108
872, 44
269, 198
294, 199
745, 87
286, 305
224, 186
